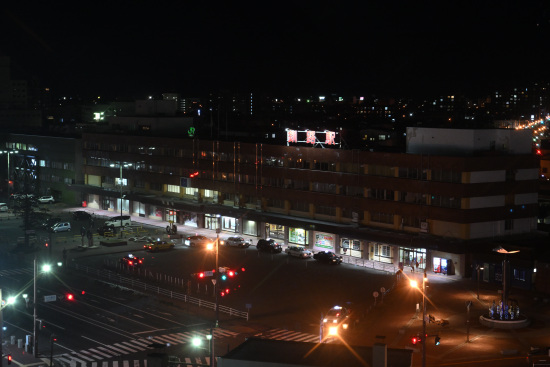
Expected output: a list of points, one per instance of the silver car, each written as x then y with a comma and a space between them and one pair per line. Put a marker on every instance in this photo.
236, 241
299, 251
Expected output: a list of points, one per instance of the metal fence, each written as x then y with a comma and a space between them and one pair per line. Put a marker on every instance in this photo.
149, 288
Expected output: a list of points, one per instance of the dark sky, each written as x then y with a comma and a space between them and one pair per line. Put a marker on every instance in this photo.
384, 47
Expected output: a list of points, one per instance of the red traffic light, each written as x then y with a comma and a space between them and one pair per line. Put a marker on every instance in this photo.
414, 340
9, 358
243, 269
201, 275
70, 297
46, 244
230, 273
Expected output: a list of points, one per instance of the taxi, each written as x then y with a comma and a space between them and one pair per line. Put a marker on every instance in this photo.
158, 246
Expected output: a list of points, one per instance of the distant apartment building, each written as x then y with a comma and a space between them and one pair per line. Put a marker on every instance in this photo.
390, 209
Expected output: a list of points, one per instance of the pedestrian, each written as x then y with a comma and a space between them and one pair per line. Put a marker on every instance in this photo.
412, 268
417, 266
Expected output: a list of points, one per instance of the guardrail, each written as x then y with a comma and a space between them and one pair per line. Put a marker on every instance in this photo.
139, 285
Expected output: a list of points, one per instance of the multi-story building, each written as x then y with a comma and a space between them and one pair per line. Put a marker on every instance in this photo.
428, 205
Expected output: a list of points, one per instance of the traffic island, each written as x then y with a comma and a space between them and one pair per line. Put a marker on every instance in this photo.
518, 323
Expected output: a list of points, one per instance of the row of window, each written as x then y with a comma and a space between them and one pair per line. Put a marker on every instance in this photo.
287, 162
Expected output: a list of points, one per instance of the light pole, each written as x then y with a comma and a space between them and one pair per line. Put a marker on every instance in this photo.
415, 285
478, 268
8, 153
45, 268
120, 164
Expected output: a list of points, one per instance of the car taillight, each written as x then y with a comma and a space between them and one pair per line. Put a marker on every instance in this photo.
130, 263
141, 261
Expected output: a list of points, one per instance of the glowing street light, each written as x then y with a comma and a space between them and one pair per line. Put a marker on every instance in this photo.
45, 268
414, 284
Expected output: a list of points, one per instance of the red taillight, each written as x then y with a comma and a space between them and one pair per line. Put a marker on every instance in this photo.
130, 263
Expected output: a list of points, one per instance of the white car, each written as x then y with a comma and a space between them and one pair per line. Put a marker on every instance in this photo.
299, 251
46, 199
61, 227
237, 241
198, 240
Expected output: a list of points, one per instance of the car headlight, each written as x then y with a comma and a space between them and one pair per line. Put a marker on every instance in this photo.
325, 320
345, 326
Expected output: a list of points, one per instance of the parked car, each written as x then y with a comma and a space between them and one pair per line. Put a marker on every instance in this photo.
61, 227
46, 199
236, 241
299, 251
328, 257
338, 316
131, 261
158, 245
81, 215
197, 240
106, 230
268, 245
3, 207
118, 221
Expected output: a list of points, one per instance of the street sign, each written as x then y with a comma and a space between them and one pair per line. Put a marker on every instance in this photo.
214, 281
50, 298
208, 273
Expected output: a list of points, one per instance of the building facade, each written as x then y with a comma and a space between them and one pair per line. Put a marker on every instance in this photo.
389, 209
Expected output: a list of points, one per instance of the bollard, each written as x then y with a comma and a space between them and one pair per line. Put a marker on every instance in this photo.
19, 343
12, 339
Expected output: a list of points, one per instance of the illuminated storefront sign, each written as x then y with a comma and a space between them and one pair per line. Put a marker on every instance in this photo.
315, 138
297, 235
324, 241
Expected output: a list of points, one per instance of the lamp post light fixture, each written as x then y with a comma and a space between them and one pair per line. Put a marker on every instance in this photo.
478, 268
120, 164
45, 268
414, 284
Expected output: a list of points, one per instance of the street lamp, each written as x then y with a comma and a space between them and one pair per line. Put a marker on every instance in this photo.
8, 302
414, 284
45, 268
8, 153
478, 268
120, 164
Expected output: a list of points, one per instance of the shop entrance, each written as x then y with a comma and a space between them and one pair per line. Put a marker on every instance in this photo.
411, 256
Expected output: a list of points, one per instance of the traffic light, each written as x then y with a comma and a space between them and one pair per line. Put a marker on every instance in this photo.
224, 277
201, 275
9, 358
414, 340
69, 296
437, 340
46, 244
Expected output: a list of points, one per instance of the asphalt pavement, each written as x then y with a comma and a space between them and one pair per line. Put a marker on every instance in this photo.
396, 317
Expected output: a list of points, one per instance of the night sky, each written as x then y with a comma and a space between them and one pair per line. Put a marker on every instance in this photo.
137, 48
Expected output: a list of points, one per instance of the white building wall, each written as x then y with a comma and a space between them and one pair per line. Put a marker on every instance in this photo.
527, 174
487, 176
466, 141
487, 202
528, 198
486, 229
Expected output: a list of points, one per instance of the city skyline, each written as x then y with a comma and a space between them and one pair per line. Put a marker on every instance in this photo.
392, 49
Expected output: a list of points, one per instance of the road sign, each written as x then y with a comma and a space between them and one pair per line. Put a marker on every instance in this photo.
208, 273
50, 298
214, 281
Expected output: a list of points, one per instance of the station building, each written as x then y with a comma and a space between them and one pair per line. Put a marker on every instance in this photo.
428, 205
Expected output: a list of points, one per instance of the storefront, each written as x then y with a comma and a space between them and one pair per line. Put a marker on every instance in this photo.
324, 241
211, 221
250, 228
297, 236
230, 224
138, 208
93, 201
412, 257
351, 247
275, 231
381, 252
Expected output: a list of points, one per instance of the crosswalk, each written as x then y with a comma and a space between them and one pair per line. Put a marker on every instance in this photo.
289, 335
184, 362
99, 354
